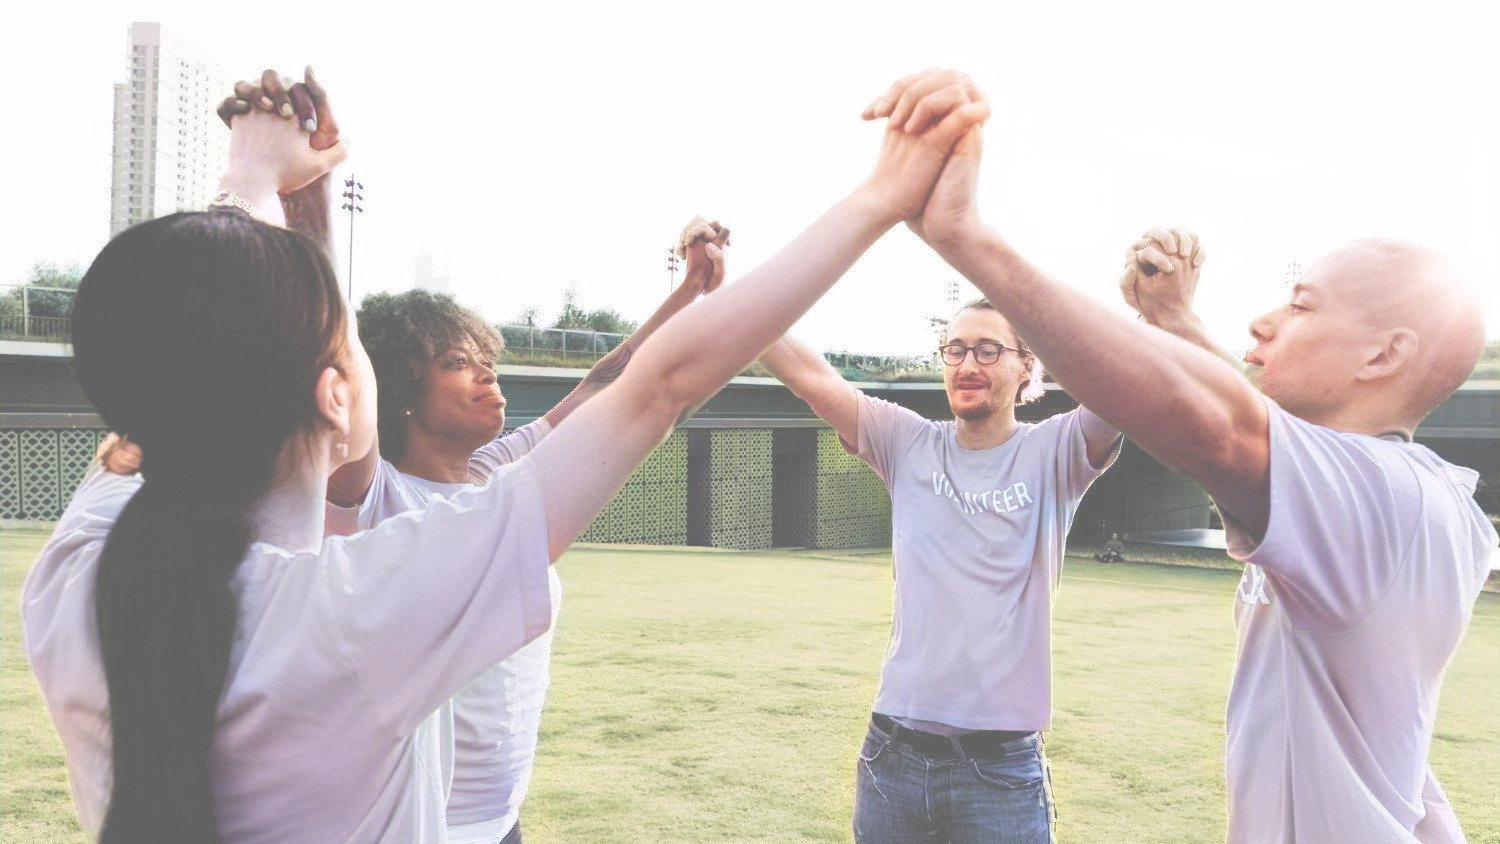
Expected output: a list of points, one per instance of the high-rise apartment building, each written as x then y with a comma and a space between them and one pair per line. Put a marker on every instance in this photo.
169, 147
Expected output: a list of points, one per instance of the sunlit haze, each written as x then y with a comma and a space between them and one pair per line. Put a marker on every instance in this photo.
528, 147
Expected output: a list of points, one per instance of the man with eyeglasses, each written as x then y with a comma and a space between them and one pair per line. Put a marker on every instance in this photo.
980, 509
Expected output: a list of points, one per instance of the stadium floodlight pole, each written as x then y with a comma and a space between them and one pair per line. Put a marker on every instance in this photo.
352, 198
672, 264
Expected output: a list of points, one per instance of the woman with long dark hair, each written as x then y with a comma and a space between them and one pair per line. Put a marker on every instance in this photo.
217, 670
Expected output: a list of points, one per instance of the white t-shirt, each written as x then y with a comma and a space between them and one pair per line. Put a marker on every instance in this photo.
977, 541
488, 732
338, 659
1348, 613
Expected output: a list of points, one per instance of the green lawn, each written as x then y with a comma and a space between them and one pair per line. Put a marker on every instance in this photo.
708, 696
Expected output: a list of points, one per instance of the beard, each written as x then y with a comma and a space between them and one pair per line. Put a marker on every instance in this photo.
976, 411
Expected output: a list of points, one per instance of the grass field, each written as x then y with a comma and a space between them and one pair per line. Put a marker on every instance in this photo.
709, 696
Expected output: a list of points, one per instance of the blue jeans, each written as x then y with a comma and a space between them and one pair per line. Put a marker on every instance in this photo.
904, 794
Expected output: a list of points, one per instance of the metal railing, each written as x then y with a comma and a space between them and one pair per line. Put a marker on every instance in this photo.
29, 312
531, 341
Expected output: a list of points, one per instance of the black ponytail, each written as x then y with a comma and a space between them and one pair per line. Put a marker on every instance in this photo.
199, 336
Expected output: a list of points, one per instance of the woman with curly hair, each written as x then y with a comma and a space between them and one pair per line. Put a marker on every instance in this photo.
440, 416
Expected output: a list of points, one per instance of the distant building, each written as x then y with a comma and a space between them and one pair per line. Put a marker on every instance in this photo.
169, 146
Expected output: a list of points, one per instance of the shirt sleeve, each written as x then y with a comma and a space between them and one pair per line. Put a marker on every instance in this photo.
886, 431
1344, 511
343, 521
428, 599
76, 540
505, 450
97, 503
1074, 471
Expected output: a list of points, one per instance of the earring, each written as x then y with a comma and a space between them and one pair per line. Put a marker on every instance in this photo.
343, 448
408, 411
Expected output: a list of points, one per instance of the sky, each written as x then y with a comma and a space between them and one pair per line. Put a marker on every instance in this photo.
530, 147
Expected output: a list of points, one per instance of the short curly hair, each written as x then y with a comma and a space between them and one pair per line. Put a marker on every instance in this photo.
403, 333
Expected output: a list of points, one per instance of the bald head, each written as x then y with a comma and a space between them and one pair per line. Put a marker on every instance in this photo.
1396, 287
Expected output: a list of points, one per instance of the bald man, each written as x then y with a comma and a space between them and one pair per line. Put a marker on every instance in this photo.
1364, 552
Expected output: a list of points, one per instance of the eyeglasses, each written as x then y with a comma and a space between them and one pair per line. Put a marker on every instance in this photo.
985, 352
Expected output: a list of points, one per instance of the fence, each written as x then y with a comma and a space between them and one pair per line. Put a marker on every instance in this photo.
28, 312
530, 341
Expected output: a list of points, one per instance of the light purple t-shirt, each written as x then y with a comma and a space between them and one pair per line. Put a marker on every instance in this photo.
1348, 612
488, 732
977, 541
340, 656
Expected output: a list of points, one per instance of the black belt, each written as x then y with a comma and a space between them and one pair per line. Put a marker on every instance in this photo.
978, 743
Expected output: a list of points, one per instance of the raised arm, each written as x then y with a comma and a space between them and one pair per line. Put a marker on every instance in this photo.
813, 379
304, 110
704, 275
584, 462
1184, 405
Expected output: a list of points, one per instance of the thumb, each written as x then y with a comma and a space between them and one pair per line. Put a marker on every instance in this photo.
715, 257
971, 144
334, 155
959, 123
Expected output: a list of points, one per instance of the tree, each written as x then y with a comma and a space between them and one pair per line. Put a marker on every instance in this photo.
602, 320
1488, 368
44, 302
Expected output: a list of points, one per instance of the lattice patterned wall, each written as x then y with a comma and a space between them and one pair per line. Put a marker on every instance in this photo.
651, 509
40, 468
740, 488
854, 509
794, 488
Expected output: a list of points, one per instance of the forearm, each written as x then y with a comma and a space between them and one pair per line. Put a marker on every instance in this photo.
1182, 404
812, 379
797, 365
611, 366
1190, 328
690, 359
307, 212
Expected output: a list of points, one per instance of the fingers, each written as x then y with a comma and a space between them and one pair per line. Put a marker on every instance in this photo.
302, 104
251, 93
1165, 237
106, 445
1153, 258
698, 230
934, 107
914, 93
1187, 244
275, 91
958, 123
883, 105
231, 108
325, 133
1179, 243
